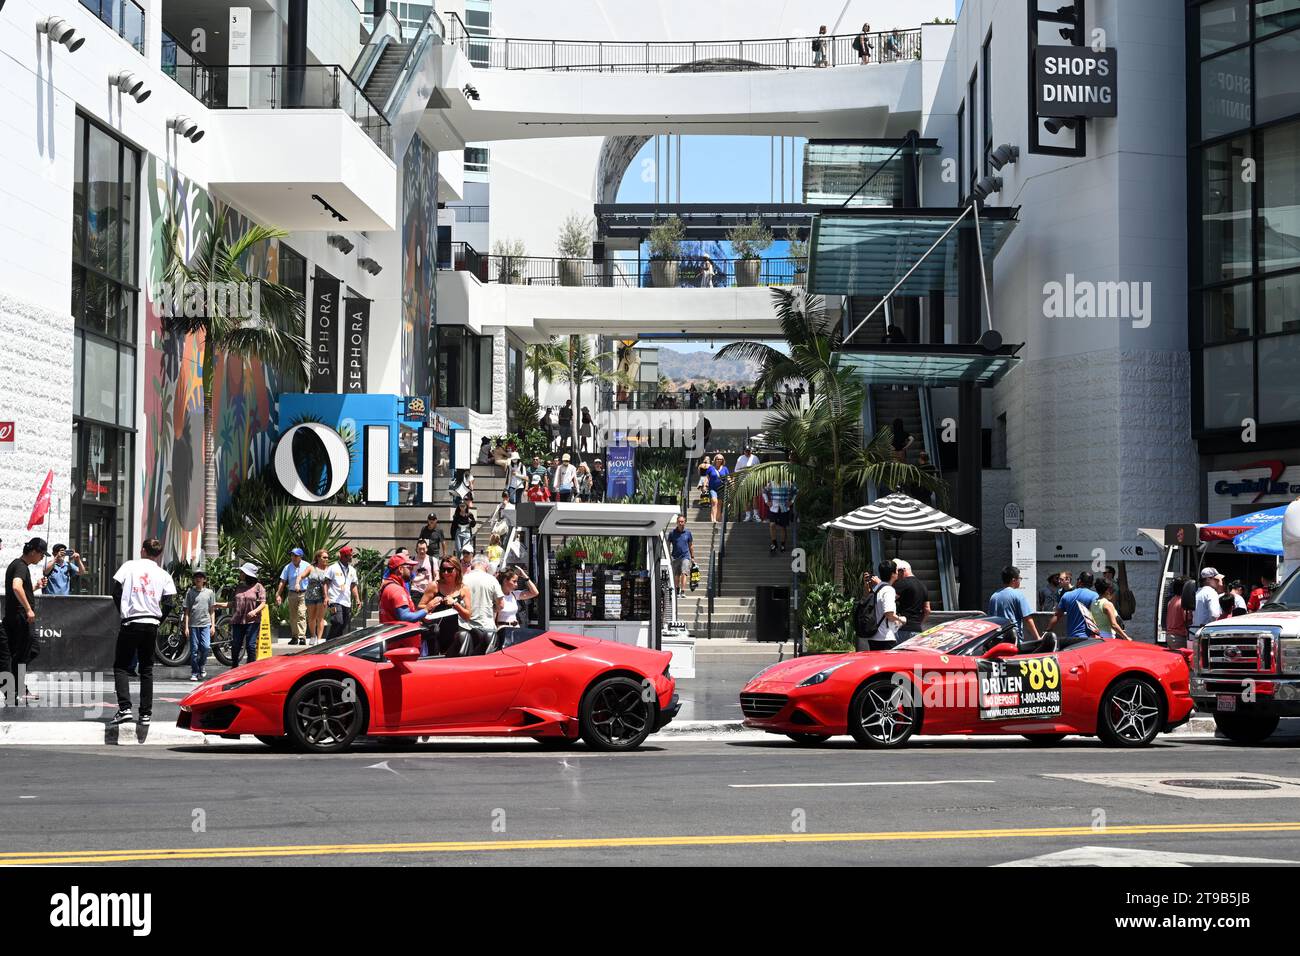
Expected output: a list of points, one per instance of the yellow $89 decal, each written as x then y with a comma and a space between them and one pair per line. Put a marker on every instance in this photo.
1042, 672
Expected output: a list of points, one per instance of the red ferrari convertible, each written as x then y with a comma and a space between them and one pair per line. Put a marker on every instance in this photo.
970, 677
557, 688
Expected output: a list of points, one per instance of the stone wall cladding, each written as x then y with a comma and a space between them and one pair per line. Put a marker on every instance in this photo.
1118, 457
36, 395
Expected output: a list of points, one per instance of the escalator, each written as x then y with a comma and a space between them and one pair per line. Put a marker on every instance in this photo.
398, 74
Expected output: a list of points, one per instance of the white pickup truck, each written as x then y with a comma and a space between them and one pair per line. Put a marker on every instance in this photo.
1246, 670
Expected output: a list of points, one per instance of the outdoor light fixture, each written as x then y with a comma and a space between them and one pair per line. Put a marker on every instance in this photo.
370, 265
186, 127
470, 92
1006, 153
986, 186
341, 243
1054, 126
60, 31
130, 84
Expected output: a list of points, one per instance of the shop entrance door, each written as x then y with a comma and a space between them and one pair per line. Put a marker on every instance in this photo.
96, 540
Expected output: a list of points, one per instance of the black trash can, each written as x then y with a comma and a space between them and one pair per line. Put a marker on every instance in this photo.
772, 612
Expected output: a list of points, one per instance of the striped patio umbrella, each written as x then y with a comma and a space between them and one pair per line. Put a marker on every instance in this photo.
900, 514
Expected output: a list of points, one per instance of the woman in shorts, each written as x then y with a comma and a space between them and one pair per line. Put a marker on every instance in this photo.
317, 585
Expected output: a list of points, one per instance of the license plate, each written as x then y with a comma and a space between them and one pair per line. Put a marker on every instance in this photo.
1225, 702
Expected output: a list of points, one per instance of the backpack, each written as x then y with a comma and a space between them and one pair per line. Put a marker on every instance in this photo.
864, 616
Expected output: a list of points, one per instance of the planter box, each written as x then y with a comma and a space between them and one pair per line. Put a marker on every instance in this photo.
748, 271
664, 273
571, 271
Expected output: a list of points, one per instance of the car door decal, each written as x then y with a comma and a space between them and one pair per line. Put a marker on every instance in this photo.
1019, 688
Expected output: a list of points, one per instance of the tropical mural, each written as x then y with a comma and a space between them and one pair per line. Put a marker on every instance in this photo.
171, 481
419, 259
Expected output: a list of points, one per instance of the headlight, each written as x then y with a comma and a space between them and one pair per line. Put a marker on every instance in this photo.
820, 676
235, 685
1290, 655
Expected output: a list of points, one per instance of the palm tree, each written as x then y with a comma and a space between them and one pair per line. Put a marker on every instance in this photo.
541, 360
272, 334
576, 366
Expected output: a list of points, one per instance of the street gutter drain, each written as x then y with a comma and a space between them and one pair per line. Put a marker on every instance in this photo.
1223, 784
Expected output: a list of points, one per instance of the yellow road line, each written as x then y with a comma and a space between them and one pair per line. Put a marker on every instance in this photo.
41, 857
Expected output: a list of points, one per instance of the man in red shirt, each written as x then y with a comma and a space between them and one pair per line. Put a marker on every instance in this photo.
395, 606
536, 490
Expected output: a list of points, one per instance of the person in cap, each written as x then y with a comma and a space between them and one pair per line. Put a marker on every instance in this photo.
246, 604
1207, 597
395, 604
748, 460
20, 615
63, 566
432, 534
566, 477
344, 593
516, 478
293, 579
537, 490
1076, 607
597, 480
196, 620
144, 592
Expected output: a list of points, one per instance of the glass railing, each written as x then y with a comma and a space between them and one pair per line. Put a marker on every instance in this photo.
684, 273
784, 53
281, 87
192, 74
747, 399
123, 17
387, 30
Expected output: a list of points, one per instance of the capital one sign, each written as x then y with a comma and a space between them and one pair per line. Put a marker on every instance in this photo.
375, 455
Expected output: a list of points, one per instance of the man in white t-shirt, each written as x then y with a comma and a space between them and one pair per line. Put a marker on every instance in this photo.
344, 592
1207, 597
888, 620
748, 460
485, 600
144, 592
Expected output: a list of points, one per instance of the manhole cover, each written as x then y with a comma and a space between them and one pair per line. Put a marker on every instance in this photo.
1222, 784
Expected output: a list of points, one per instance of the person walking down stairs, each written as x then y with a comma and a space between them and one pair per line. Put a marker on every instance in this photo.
779, 498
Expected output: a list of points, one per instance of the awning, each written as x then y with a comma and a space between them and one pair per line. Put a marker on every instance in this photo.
865, 251
1266, 539
1230, 528
930, 366
901, 513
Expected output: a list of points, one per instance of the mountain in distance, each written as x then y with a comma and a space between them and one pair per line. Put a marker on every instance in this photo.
699, 367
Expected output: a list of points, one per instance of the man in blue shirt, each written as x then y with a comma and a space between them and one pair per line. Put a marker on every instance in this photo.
293, 578
1075, 606
682, 547
1012, 604
61, 569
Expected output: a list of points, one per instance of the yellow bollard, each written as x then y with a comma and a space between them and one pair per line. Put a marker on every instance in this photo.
264, 635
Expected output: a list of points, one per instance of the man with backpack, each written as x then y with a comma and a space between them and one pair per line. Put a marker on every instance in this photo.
876, 617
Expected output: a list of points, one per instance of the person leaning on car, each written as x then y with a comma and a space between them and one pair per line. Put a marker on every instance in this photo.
395, 604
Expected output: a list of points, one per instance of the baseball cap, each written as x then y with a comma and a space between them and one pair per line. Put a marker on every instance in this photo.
297, 551
397, 560
565, 457
535, 480
1207, 573
200, 573
431, 516
346, 551
902, 565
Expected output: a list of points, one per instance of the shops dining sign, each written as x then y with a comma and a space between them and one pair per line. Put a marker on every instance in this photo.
1073, 81
377, 479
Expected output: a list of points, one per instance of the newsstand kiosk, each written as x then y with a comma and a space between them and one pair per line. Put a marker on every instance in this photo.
603, 570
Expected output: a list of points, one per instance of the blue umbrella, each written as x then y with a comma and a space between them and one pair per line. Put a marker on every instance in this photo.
1266, 539
1242, 525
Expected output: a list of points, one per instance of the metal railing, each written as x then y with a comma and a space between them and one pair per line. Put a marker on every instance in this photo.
188, 71
284, 87
123, 17
685, 273
681, 400
387, 30
784, 53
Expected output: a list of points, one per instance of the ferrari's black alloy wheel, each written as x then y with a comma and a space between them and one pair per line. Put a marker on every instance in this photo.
324, 715
615, 714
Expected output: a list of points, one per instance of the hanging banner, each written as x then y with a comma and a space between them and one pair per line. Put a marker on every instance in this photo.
620, 476
324, 334
356, 337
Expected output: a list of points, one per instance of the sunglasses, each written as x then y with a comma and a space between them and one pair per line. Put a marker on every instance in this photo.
448, 568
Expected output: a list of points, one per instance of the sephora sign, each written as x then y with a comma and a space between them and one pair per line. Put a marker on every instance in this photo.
378, 480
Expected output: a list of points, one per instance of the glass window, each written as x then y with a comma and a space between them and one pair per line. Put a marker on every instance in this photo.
483, 396
1224, 23
1279, 205
1229, 383
1274, 15
126, 387
79, 193
1279, 369
961, 151
1227, 313
1225, 211
104, 196
76, 376
1277, 94
100, 370
1225, 94
1280, 304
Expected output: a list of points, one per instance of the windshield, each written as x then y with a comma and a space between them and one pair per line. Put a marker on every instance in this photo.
1286, 597
348, 639
963, 636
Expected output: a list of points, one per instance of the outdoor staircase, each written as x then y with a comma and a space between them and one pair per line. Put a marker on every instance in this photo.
384, 77
747, 564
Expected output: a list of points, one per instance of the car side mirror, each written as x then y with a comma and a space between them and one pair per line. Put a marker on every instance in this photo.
1001, 650
402, 656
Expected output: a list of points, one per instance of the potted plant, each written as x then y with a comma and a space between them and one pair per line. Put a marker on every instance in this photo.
799, 257
573, 247
665, 249
749, 241
509, 254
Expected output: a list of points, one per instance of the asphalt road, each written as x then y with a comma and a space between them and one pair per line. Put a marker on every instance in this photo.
701, 802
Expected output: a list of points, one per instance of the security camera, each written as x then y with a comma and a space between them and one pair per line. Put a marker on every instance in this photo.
186, 127
986, 187
1006, 153
60, 31
130, 84
1054, 126
341, 243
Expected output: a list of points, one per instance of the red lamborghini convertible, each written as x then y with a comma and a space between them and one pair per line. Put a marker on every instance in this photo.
969, 677
556, 688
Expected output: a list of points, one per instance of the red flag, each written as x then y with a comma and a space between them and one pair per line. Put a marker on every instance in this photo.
42, 506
